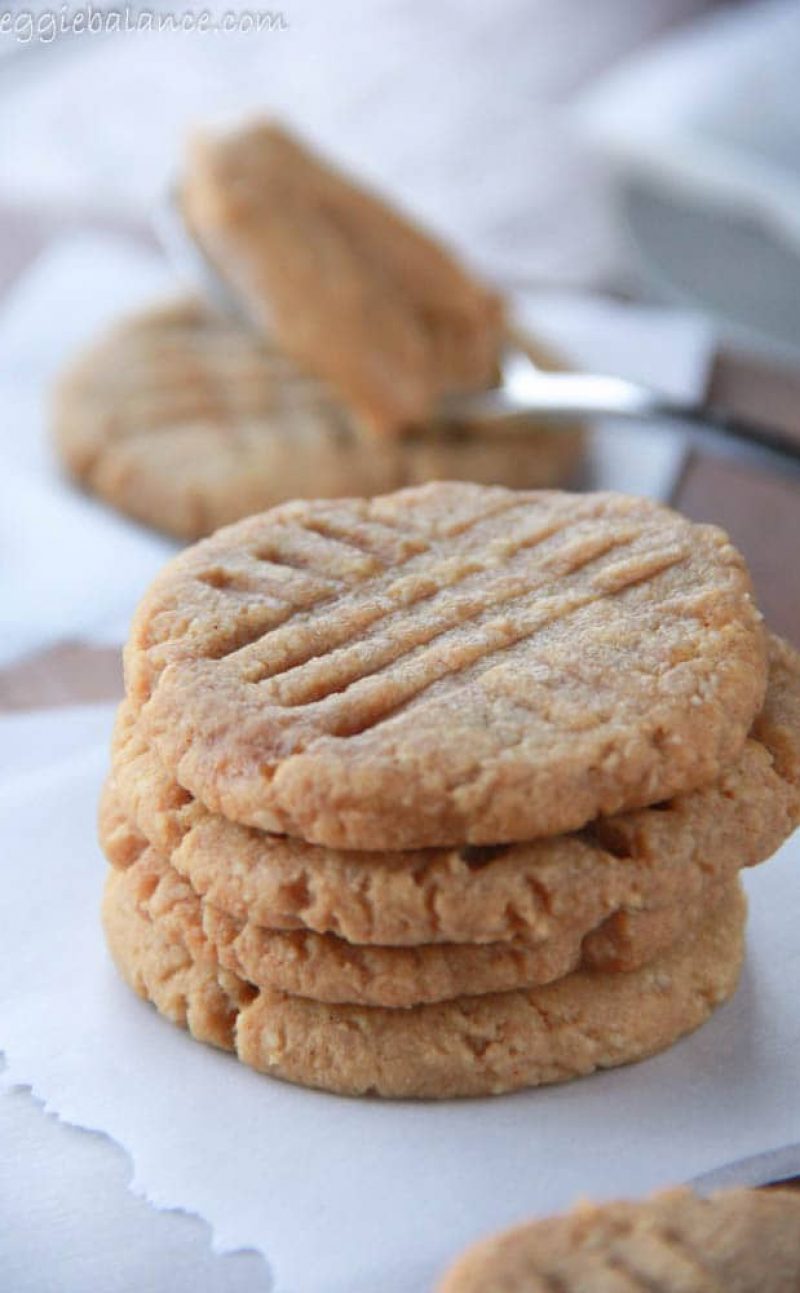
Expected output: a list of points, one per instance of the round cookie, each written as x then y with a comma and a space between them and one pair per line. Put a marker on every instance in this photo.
447, 665
326, 968
469, 1046
659, 858
675, 1242
186, 421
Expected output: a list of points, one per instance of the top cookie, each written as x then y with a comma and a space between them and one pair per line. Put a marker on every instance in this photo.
347, 286
449, 664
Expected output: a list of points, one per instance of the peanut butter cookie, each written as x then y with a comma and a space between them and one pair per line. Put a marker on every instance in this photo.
736, 1241
451, 664
186, 421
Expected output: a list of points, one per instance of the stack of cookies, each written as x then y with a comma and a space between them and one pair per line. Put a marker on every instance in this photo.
446, 792
349, 326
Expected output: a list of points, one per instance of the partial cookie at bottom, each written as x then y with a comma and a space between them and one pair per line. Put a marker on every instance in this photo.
737, 1241
466, 1047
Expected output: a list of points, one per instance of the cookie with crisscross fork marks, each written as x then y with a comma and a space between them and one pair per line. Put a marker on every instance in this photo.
448, 664
675, 1242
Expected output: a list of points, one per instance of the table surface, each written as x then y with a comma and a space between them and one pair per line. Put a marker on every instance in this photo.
762, 514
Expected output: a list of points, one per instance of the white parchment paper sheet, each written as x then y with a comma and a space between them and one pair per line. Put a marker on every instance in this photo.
349, 1196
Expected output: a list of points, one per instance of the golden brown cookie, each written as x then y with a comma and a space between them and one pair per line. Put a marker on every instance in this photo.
324, 967
446, 665
736, 1241
468, 1046
349, 288
584, 886
186, 421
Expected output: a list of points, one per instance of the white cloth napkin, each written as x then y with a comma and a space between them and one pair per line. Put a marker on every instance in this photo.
70, 567
346, 1196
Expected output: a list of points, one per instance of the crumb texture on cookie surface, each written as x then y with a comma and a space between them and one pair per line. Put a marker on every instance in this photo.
467, 1046
736, 1241
164, 957
450, 664
324, 967
661, 860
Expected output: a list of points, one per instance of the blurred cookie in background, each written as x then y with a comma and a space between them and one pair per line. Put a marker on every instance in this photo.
739, 1241
347, 320
186, 421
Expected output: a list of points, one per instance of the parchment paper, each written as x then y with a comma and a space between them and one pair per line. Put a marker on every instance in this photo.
346, 1196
